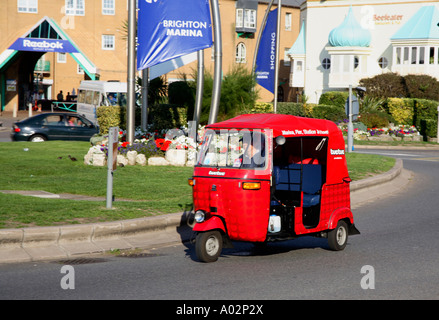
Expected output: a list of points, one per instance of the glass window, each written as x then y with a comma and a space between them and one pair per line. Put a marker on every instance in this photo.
108, 7
383, 63
326, 63
288, 19
241, 53
398, 55
30, 6
414, 53
250, 18
239, 18
108, 42
75, 7
231, 148
421, 55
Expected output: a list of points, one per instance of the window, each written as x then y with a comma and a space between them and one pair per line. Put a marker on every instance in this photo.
108, 42
75, 7
288, 19
79, 70
326, 63
239, 18
250, 19
61, 57
29, 6
287, 60
398, 55
383, 62
108, 7
241, 53
233, 149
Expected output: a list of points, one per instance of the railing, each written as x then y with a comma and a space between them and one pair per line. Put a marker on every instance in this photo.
65, 105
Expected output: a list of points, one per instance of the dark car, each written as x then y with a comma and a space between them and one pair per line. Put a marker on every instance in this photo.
54, 126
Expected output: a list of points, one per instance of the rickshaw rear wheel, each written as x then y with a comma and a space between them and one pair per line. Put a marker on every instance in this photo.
338, 238
208, 246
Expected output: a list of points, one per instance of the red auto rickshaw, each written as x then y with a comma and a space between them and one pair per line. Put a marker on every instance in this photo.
268, 177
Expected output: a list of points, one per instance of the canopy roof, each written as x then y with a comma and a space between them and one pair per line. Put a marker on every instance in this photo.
423, 25
282, 124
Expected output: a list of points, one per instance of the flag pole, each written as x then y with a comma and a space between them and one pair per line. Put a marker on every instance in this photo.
216, 92
131, 76
276, 77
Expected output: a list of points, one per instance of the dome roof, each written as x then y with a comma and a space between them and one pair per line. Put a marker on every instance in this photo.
350, 33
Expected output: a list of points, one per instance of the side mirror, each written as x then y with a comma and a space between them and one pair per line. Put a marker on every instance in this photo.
280, 140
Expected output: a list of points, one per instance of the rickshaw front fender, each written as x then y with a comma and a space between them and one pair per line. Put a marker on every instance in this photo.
214, 223
340, 214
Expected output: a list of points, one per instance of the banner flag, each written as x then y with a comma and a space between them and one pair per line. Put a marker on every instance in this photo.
168, 29
266, 56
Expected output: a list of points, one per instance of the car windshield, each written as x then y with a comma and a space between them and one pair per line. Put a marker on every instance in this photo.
233, 148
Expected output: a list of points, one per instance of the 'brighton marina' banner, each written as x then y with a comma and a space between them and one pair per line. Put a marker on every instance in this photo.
266, 57
168, 29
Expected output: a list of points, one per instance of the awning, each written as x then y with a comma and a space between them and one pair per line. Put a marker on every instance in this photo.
47, 36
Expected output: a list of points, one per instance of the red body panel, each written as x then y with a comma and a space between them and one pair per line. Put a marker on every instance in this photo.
246, 212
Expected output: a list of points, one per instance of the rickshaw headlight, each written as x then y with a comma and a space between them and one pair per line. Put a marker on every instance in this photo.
200, 216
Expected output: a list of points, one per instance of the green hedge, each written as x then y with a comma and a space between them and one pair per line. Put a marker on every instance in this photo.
108, 116
334, 98
428, 128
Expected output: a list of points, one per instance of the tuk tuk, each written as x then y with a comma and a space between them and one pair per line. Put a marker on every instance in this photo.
270, 177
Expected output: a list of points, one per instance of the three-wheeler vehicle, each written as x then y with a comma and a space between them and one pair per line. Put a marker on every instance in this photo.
269, 177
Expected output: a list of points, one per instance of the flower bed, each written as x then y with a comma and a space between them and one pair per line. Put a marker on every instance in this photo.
174, 148
392, 133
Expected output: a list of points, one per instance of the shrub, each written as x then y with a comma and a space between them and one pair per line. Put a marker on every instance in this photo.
334, 98
424, 109
375, 119
182, 94
108, 116
291, 108
167, 116
422, 87
332, 113
386, 85
428, 128
402, 110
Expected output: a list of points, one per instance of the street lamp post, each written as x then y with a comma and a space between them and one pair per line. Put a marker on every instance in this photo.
131, 76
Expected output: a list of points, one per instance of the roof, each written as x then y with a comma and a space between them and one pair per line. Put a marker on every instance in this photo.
350, 33
299, 47
281, 124
423, 25
288, 3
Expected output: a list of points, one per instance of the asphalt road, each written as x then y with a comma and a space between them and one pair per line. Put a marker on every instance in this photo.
395, 257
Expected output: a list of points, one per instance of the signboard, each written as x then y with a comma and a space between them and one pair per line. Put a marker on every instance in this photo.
266, 57
43, 45
113, 141
355, 107
168, 29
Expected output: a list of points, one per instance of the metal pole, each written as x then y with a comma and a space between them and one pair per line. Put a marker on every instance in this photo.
258, 41
216, 91
145, 85
131, 99
350, 124
276, 77
200, 89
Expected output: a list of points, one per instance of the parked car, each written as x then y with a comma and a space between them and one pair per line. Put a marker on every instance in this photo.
54, 126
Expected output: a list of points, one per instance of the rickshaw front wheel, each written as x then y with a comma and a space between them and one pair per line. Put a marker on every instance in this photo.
338, 238
208, 246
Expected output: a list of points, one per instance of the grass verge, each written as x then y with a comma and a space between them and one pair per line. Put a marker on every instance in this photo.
154, 190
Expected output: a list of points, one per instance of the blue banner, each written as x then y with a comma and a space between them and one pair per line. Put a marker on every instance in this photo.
43, 45
266, 56
168, 29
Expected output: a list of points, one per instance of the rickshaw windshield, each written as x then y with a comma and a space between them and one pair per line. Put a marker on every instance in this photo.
231, 148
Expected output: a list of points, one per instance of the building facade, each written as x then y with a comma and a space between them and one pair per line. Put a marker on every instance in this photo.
48, 46
341, 42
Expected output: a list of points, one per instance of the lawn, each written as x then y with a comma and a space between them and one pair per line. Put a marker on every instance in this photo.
154, 190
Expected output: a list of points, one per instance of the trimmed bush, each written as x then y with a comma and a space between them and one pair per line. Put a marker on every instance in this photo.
108, 116
402, 110
332, 113
386, 85
291, 108
334, 98
428, 128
